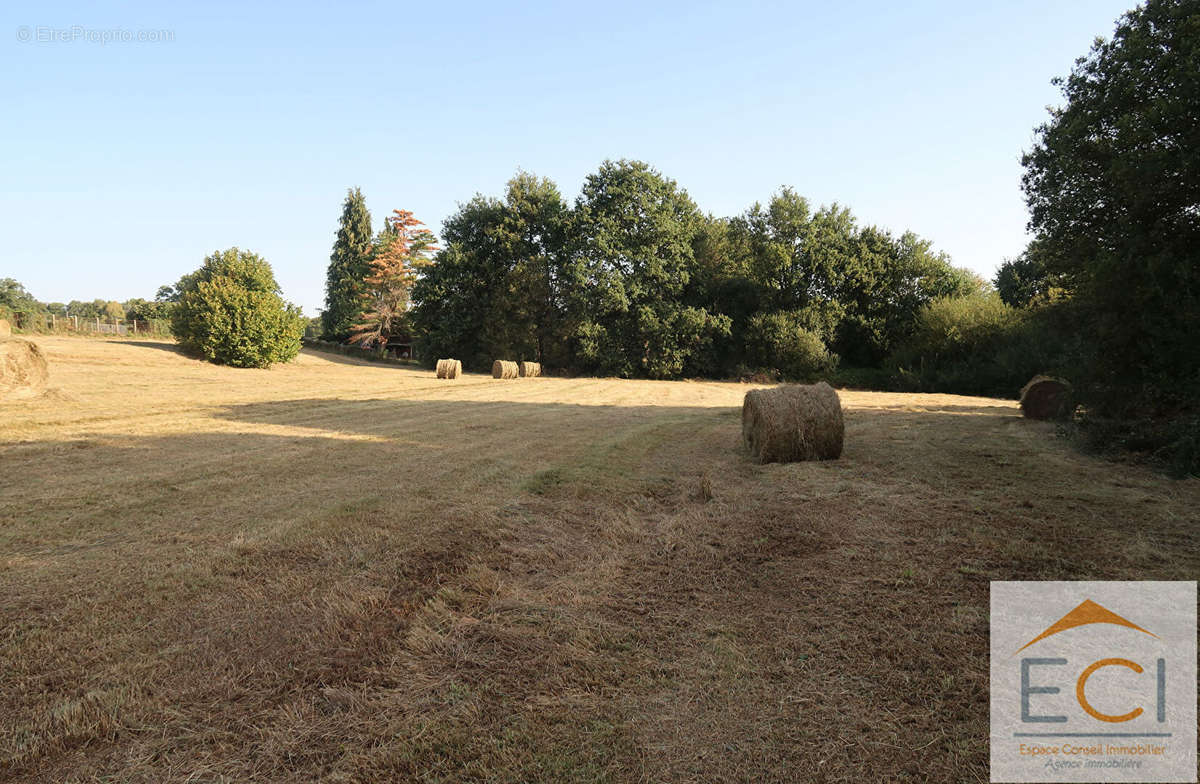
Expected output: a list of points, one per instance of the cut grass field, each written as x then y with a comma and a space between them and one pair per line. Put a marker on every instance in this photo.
336, 571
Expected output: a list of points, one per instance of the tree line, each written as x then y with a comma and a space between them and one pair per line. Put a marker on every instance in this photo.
18, 303
633, 279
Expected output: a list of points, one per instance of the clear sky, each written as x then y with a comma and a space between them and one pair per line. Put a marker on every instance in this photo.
126, 162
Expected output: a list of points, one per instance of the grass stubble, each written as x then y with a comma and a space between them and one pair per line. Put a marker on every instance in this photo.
336, 571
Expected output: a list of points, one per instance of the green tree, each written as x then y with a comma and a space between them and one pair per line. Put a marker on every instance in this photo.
1027, 280
86, 309
230, 311
349, 266
145, 310
499, 287
14, 297
886, 281
1112, 184
630, 272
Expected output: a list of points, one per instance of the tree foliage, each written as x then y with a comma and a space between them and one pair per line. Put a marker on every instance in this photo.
632, 266
499, 288
15, 298
230, 312
635, 281
1113, 188
399, 253
349, 267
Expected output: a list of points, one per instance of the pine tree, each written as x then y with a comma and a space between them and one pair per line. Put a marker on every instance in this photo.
349, 265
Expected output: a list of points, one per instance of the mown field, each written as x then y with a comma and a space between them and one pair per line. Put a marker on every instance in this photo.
334, 571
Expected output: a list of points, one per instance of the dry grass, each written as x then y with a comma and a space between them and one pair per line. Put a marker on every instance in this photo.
309, 574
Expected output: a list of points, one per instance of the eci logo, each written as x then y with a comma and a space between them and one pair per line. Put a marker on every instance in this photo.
1093, 681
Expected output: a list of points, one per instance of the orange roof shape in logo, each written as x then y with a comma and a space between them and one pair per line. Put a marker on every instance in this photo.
1085, 613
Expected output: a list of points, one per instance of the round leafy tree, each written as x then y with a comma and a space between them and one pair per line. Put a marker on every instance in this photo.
230, 311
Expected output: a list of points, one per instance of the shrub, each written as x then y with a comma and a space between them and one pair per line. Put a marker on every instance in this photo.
230, 312
780, 340
964, 345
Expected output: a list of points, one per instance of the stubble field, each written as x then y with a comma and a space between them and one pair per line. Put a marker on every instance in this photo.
336, 571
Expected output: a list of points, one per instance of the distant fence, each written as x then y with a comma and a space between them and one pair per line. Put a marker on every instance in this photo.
50, 323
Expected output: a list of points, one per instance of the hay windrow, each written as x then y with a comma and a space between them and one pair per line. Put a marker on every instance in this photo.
793, 422
530, 369
449, 368
1046, 397
23, 370
502, 368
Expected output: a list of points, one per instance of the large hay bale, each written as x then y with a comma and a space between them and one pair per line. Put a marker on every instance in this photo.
502, 368
449, 368
22, 369
530, 369
5, 328
1046, 397
793, 422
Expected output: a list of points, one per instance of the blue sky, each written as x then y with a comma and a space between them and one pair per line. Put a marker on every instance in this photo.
126, 162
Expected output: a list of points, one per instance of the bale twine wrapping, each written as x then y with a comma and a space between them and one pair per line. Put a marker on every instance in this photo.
1046, 397
530, 369
5, 328
22, 369
793, 422
502, 368
449, 368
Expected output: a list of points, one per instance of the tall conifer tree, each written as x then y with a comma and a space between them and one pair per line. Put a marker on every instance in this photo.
349, 265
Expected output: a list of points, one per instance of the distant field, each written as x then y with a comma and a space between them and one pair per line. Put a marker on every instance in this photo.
338, 571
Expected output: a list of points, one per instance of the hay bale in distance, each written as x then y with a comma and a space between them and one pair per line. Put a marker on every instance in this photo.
530, 369
502, 368
5, 328
1046, 397
449, 368
793, 422
22, 369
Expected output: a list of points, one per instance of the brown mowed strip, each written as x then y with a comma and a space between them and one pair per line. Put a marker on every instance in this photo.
309, 574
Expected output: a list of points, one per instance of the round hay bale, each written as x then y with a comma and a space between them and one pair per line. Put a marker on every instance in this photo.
793, 422
502, 368
1046, 397
455, 369
5, 328
530, 369
22, 369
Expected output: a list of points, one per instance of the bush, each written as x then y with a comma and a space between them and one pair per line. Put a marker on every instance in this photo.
977, 345
230, 312
781, 341
961, 345
1173, 444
